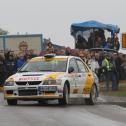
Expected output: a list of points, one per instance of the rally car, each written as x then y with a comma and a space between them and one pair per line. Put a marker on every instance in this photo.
52, 77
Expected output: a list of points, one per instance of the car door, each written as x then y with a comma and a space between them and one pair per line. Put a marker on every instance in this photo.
81, 76
72, 76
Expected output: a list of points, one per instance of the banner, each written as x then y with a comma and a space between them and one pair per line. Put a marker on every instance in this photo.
124, 40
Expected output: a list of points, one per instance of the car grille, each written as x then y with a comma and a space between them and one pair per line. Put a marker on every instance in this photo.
51, 82
28, 82
27, 92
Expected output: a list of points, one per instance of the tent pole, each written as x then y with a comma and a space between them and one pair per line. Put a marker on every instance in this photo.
93, 39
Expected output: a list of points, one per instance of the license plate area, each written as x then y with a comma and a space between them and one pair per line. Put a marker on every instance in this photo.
48, 88
27, 92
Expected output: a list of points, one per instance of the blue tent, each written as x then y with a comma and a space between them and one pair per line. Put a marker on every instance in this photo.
113, 28
93, 25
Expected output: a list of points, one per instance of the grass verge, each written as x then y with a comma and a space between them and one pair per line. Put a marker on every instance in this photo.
120, 93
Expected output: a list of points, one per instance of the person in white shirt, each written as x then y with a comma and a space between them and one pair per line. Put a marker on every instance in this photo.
94, 65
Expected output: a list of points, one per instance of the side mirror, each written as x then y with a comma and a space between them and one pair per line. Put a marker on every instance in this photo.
70, 70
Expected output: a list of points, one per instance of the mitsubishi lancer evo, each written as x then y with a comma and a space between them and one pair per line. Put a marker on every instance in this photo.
52, 77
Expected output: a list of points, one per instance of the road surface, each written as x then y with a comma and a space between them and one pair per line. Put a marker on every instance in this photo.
75, 114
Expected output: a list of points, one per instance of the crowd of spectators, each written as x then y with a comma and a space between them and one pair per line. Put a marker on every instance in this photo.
97, 40
11, 62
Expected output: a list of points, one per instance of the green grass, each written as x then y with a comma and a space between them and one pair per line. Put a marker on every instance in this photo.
115, 93
120, 93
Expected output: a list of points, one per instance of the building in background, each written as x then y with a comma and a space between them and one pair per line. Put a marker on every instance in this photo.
12, 42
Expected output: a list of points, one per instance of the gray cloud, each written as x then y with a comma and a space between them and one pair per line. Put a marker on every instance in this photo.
54, 17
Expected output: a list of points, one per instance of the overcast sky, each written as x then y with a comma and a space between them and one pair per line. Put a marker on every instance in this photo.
53, 18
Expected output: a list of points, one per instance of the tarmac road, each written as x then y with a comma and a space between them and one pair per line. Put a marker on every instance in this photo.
75, 114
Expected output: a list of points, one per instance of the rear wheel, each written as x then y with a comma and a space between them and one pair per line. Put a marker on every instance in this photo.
65, 99
12, 101
93, 96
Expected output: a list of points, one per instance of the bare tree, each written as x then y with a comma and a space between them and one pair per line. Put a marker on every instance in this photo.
3, 32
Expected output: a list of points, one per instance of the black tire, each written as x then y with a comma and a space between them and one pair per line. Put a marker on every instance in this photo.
11, 101
93, 96
65, 99
42, 102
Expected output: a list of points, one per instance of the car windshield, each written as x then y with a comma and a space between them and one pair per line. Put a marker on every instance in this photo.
45, 65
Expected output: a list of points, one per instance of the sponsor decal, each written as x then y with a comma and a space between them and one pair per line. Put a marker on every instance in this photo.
29, 78
75, 91
47, 59
88, 84
86, 90
54, 75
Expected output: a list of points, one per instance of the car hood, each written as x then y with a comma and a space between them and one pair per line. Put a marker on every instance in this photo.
36, 76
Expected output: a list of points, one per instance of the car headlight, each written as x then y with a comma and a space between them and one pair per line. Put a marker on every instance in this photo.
9, 82
52, 82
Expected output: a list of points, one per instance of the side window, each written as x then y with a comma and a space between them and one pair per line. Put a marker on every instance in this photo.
81, 66
73, 64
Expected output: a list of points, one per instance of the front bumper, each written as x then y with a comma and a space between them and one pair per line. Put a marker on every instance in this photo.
32, 92
48, 97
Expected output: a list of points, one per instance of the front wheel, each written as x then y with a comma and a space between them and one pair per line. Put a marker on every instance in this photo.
65, 99
42, 102
12, 101
93, 96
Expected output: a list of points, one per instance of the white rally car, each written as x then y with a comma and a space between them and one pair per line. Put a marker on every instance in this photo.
52, 77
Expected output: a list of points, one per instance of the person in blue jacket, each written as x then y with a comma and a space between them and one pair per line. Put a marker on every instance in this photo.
20, 61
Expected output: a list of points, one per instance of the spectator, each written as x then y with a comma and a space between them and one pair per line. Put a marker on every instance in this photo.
94, 65
98, 43
23, 47
109, 72
27, 57
123, 65
100, 57
20, 61
91, 41
68, 51
81, 42
32, 54
89, 60
108, 44
118, 62
10, 64
2, 70
42, 53
109, 40
50, 48
82, 55
116, 44
101, 34
62, 52
74, 52
116, 86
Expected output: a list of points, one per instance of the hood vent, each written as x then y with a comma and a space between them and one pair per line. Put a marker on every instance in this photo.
28, 82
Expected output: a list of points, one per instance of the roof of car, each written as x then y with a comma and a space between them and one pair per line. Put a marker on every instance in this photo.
60, 57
